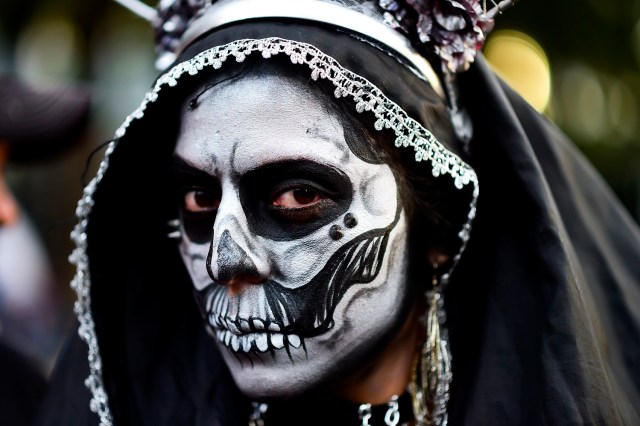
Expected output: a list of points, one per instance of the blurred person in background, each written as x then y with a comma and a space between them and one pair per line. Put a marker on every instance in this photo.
36, 123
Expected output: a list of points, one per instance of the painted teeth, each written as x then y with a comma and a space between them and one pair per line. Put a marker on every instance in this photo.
244, 325
246, 343
210, 302
233, 327
235, 342
277, 340
258, 324
215, 321
253, 335
223, 322
274, 327
294, 340
261, 342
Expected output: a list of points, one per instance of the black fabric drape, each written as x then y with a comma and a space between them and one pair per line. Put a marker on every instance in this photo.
22, 387
551, 276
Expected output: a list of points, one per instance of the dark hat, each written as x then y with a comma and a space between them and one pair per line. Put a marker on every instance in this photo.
39, 121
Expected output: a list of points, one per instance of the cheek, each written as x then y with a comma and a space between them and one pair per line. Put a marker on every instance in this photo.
378, 192
194, 257
370, 314
298, 260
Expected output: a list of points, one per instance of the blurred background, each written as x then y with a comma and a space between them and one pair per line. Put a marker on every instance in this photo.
577, 61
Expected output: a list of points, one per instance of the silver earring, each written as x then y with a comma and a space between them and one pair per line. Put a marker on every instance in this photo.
257, 415
174, 229
431, 373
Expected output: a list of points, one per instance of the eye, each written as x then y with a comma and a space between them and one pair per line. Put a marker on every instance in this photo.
300, 203
201, 201
297, 198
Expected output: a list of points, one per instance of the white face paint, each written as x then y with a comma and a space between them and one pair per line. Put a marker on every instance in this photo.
296, 246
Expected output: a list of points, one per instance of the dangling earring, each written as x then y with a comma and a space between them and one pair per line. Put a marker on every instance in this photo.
257, 415
174, 229
431, 372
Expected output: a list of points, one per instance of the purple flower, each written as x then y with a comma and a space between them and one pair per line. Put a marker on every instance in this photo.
174, 17
455, 30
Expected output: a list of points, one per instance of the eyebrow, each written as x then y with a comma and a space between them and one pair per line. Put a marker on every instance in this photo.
181, 168
332, 179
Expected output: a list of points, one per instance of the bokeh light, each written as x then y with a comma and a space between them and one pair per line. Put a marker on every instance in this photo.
582, 103
623, 110
48, 49
523, 64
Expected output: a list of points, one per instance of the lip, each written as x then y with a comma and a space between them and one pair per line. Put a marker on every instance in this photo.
252, 335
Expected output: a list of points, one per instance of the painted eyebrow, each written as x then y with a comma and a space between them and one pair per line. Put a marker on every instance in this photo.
181, 168
265, 176
293, 166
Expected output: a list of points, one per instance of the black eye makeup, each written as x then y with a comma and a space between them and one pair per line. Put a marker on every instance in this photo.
282, 201
291, 199
299, 201
199, 196
200, 201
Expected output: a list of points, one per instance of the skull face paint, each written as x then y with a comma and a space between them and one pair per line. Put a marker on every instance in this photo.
295, 244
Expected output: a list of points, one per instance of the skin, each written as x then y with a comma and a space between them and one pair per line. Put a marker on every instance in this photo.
9, 211
237, 139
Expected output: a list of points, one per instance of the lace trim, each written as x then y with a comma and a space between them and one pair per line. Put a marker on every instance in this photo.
367, 97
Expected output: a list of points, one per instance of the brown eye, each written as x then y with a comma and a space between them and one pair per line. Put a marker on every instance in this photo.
297, 198
200, 201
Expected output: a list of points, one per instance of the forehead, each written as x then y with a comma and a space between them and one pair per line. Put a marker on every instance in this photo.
254, 120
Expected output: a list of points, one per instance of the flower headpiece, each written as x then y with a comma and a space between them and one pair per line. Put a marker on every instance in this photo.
452, 30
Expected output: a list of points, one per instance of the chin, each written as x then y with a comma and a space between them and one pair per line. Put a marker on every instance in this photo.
276, 375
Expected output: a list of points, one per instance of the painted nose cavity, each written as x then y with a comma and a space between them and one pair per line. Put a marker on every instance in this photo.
232, 261
235, 254
229, 262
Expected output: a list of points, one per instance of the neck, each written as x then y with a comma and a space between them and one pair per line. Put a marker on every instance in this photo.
389, 373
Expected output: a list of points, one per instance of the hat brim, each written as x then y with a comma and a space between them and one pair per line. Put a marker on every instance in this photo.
41, 121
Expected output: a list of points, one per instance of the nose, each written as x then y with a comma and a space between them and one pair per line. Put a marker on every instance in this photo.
235, 256
233, 263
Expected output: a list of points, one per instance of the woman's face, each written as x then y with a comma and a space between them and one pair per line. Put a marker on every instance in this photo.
296, 246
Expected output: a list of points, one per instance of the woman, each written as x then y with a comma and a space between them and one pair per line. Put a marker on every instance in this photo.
315, 179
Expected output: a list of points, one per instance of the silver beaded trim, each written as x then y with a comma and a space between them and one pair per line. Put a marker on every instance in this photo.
81, 283
364, 94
